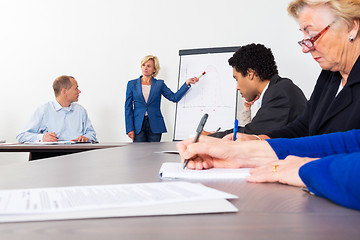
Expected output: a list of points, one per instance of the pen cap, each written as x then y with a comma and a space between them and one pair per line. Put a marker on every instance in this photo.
202, 123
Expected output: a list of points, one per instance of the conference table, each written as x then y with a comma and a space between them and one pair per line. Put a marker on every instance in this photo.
266, 211
40, 151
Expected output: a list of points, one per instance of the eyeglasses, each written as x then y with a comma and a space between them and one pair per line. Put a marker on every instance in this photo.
309, 42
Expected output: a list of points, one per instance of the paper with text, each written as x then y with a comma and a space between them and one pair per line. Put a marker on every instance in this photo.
83, 198
51, 143
175, 170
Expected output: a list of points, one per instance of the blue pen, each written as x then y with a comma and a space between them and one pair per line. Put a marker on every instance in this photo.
236, 126
236, 123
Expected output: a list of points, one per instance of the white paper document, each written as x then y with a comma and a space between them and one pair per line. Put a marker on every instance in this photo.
169, 152
111, 201
175, 170
51, 143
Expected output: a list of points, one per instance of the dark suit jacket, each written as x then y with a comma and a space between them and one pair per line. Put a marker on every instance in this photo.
135, 105
282, 103
326, 113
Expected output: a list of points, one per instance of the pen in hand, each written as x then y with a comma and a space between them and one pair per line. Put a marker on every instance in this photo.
236, 127
236, 123
198, 132
50, 137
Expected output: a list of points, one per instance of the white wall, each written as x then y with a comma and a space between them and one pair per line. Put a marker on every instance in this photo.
101, 43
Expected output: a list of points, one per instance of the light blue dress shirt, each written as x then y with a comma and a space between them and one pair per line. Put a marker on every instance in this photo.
67, 122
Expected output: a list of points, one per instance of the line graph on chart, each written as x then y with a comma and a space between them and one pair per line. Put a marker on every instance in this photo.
215, 93
208, 92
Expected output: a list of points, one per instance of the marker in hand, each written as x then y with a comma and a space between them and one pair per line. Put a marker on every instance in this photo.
194, 79
198, 132
202, 75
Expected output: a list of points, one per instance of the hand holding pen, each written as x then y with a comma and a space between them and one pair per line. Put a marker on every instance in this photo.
194, 79
236, 122
236, 127
198, 133
210, 152
50, 137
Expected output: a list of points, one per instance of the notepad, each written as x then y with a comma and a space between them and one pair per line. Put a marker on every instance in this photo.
172, 170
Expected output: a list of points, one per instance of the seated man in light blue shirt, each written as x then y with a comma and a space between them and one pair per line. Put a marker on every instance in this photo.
61, 119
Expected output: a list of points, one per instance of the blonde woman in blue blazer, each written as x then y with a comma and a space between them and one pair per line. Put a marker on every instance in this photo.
144, 121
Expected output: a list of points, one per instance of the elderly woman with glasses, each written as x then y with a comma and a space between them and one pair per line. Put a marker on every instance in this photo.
329, 164
331, 31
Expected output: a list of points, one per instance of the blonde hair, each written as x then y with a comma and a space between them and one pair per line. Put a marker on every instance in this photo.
347, 10
156, 63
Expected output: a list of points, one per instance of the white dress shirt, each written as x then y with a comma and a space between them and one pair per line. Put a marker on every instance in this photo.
68, 123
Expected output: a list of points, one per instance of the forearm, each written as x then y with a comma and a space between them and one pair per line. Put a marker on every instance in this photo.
129, 119
335, 178
90, 134
34, 129
29, 137
129, 110
295, 129
317, 146
218, 153
244, 117
175, 97
254, 153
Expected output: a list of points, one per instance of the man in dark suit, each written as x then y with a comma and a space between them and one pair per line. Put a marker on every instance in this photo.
280, 100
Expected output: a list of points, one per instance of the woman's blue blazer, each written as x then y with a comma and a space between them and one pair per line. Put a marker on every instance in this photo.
135, 105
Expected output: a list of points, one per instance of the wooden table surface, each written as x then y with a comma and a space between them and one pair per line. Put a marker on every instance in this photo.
266, 211
38, 151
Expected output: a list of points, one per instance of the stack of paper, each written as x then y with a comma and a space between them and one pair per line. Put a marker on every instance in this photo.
102, 201
175, 170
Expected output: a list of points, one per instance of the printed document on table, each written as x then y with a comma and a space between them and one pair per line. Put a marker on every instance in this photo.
169, 152
172, 170
51, 143
111, 201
